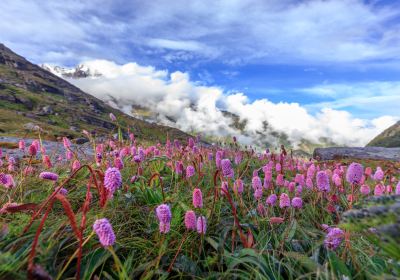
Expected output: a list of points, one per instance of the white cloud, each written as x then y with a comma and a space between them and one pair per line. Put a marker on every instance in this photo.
247, 31
367, 98
193, 107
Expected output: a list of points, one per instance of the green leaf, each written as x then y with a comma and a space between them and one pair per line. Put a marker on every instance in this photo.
337, 265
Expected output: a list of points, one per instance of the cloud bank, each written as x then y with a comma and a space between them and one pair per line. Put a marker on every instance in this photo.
178, 101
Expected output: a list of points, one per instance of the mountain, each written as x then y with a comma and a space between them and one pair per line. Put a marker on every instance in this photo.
389, 138
80, 71
30, 95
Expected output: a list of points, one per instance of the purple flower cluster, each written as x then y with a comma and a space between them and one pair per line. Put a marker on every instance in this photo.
7, 180
323, 181
197, 198
354, 173
48, 176
112, 180
201, 225
284, 200
271, 200
190, 220
297, 202
227, 170
164, 217
104, 231
334, 238
189, 171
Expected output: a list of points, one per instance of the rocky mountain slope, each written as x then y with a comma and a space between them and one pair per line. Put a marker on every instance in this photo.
32, 96
388, 138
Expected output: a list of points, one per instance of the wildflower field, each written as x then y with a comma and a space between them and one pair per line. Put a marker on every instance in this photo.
130, 210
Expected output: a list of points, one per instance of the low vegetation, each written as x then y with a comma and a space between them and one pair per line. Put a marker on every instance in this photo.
129, 210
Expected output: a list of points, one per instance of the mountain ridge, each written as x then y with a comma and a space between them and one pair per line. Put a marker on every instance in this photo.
33, 96
389, 138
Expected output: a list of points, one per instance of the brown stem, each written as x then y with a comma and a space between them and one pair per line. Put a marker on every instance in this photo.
177, 252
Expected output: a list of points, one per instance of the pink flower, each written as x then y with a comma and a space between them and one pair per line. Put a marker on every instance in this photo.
224, 187
189, 171
191, 142
178, 167
21, 144
278, 167
256, 183
36, 143
354, 173
291, 186
118, 163
62, 191
280, 181
69, 154
323, 181
379, 174
368, 171
164, 217
48, 176
258, 193
379, 189
337, 180
190, 220
297, 202
112, 180
104, 231
334, 238
67, 143
397, 191
238, 158
197, 198
284, 200
365, 189
218, 158
271, 200
47, 161
201, 225
7, 181
227, 170
76, 165
261, 210
309, 183
32, 150
299, 179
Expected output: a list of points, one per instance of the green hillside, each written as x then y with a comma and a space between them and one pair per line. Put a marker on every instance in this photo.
33, 96
389, 138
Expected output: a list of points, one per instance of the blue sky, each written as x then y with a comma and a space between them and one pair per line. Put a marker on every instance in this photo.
339, 54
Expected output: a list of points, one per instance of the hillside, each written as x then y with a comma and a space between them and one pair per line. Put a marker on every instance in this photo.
31, 96
389, 138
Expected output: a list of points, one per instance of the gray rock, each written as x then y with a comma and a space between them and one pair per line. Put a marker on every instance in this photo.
81, 140
53, 148
378, 153
46, 110
30, 126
